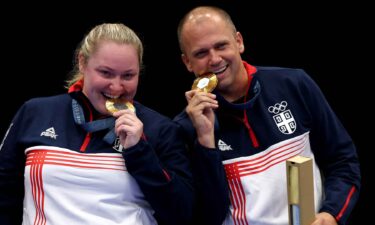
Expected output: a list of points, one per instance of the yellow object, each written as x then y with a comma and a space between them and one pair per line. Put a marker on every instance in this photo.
300, 185
206, 83
114, 105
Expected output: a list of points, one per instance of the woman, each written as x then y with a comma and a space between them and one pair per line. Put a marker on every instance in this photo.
69, 159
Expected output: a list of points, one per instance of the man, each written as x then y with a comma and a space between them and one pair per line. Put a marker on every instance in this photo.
258, 117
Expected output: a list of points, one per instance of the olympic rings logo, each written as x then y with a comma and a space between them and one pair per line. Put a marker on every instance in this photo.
278, 107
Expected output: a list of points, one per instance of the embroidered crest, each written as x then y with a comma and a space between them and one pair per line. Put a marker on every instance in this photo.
283, 118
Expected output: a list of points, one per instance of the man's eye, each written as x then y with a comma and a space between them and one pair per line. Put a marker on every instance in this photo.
221, 47
200, 54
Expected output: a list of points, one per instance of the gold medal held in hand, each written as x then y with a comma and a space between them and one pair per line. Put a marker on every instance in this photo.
206, 83
114, 105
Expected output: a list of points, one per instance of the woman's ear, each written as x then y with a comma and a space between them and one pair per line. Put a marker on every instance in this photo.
81, 62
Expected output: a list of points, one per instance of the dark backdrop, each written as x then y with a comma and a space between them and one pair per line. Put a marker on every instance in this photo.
327, 41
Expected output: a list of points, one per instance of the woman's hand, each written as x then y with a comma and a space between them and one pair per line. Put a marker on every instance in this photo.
128, 127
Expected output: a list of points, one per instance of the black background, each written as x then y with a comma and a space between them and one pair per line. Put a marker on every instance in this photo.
328, 41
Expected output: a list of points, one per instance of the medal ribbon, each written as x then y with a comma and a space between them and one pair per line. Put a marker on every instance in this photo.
93, 126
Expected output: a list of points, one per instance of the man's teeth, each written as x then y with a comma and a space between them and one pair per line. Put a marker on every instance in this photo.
219, 71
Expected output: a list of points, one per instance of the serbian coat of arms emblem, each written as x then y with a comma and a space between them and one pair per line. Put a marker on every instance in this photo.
283, 118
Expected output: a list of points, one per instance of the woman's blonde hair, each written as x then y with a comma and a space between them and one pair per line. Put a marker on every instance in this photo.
115, 32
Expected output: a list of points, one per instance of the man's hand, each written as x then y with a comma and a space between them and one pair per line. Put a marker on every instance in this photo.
324, 218
200, 109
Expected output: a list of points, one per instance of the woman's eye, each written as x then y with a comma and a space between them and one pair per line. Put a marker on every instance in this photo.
127, 76
105, 73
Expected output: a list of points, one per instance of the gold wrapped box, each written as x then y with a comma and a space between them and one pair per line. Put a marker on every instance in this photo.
300, 184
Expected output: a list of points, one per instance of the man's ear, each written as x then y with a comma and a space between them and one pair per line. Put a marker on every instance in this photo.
239, 40
186, 62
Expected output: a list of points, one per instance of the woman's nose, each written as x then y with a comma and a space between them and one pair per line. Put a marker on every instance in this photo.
116, 84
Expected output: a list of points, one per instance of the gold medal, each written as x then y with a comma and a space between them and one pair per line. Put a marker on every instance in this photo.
206, 83
114, 105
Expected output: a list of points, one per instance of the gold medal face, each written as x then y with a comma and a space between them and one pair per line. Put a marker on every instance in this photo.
206, 83
114, 105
